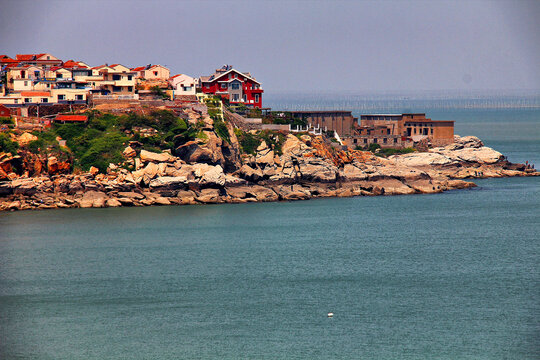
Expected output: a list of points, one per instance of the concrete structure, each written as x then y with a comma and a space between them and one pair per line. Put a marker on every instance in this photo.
342, 122
237, 87
414, 126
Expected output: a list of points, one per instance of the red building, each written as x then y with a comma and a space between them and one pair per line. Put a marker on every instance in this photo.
238, 87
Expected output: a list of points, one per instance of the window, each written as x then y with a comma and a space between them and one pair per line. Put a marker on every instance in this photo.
355, 141
48, 85
130, 77
59, 76
223, 86
431, 131
256, 98
385, 140
16, 101
130, 88
26, 83
117, 88
61, 97
80, 97
235, 86
44, 100
155, 73
395, 140
116, 77
375, 140
365, 141
235, 97
48, 58
27, 100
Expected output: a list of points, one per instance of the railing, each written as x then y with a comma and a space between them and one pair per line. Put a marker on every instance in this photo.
116, 97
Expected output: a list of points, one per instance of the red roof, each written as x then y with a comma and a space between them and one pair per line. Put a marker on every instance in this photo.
172, 77
35, 93
139, 68
81, 118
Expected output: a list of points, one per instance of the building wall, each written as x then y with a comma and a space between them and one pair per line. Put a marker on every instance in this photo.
385, 141
157, 72
183, 85
340, 121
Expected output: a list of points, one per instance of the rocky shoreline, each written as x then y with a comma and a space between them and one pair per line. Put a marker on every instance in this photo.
306, 168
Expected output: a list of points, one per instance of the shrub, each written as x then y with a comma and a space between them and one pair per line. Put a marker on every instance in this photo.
221, 130
6, 120
248, 142
389, 152
373, 147
103, 150
7, 145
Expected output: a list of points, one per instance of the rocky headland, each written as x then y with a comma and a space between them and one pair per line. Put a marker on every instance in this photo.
212, 170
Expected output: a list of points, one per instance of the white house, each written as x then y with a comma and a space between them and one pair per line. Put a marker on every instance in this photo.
183, 84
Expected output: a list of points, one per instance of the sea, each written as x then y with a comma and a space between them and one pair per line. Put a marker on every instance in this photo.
443, 276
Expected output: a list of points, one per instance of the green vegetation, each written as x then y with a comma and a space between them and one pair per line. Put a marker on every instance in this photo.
221, 130
156, 90
102, 139
6, 120
373, 147
284, 118
250, 142
388, 152
7, 145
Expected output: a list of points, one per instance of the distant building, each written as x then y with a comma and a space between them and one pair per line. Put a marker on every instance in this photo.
152, 72
236, 86
414, 126
183, 84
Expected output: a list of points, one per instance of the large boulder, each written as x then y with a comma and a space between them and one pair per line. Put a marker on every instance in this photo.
147, 156
265, 155
95, 199
168, 183
209, 175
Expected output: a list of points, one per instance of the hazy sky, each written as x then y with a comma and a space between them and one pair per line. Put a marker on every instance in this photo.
295, 45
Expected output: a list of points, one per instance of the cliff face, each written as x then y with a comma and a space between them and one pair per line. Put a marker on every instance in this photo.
217, 167
213, 171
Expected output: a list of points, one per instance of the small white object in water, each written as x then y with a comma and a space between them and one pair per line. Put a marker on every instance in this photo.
330, 314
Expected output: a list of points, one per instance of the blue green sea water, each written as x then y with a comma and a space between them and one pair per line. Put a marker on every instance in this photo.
446, 276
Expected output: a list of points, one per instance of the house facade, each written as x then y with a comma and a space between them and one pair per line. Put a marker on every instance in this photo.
183, 84
237, 87
152, 72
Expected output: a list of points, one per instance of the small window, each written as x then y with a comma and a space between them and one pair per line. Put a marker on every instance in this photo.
375, 140
385, 140
61, 97
431, 131
16, 101
355, 141
130, 88
116, 77
44, 100
26, 83
59, 76
155, 73
27, 100
130, 77
365, 141
80, 97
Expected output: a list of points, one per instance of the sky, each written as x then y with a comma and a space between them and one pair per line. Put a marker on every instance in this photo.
295, 46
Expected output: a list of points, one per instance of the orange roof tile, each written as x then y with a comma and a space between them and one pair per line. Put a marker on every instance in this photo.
71, 118
35, 93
